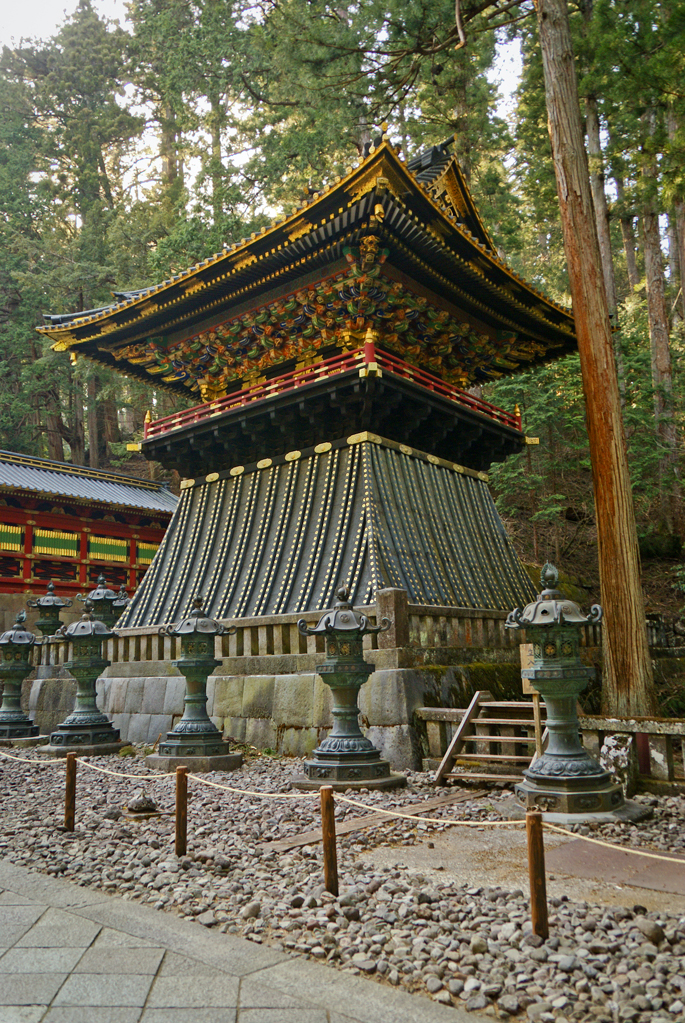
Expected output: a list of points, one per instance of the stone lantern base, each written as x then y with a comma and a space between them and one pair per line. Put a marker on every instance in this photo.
97, 739
590, 796
20, 729
196, 764
200, 751
355, 770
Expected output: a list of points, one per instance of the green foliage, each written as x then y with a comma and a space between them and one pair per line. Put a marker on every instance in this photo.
127, 156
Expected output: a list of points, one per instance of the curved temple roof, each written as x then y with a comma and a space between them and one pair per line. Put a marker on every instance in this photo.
433, 246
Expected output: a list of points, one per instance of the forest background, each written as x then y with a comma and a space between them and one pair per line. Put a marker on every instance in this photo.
129, 154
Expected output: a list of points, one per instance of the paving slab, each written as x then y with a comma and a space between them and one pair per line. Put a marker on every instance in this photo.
54, 926
97, 989
91, 1014
22, 1013
283, 1016
40, 960
194, 993
109, 938
189, 1016
255, 994
30, 988
129, 961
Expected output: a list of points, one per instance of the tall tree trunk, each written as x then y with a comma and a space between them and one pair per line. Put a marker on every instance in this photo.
628, 236
657, 311
78, 439
216, 167
628, 684
54, 437
167, 146
93, 437
677, 226
110, 424
676, 313
599, 199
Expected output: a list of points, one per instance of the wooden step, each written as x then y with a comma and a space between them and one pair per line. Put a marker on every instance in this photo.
518, 722
492, 756
479, 776
512, 740
475, 717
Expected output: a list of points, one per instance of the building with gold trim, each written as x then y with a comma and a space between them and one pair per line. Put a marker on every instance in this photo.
336, 439
66, 524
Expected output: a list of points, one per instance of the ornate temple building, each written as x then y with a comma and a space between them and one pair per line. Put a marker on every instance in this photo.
66, 524
334, 440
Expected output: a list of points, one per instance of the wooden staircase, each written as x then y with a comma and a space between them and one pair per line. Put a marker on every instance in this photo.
494, 740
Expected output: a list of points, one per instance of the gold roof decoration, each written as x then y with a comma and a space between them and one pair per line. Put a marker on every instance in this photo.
384, 225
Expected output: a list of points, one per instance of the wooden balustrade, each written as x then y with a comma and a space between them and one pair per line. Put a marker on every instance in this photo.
413, 626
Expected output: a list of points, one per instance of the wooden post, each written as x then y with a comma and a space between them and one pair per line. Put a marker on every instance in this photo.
70, 793
330, 856
181, 810
536, 872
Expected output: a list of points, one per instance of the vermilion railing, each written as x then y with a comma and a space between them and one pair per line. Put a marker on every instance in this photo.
367, 359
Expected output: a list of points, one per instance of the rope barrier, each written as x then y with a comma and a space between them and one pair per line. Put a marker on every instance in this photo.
612, 845
431, 820
351, 802
28, 760
250, 792
121, 774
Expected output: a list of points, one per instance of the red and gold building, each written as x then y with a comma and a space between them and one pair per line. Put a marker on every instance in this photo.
337, 438
67, 524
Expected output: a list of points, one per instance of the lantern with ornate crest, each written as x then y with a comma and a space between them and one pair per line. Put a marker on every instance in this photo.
565, 781
121, 603
195, 741
86, 730
103, 599
49, 607
15, 650
346, 758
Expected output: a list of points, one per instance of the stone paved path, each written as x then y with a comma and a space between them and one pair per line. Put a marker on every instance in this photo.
70, 955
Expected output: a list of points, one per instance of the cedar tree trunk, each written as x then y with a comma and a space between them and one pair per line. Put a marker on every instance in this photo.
628, 683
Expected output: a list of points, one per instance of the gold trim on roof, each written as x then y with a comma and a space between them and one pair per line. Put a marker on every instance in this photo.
381, 170
299, 229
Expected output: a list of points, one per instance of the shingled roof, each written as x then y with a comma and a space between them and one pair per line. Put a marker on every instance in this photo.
41, 476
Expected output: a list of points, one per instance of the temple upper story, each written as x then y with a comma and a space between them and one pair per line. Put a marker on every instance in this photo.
396, 248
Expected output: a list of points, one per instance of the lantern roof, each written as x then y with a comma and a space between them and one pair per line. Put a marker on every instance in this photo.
18, 634
551, 607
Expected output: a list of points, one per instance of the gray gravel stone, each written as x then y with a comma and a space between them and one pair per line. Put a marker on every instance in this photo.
468, 944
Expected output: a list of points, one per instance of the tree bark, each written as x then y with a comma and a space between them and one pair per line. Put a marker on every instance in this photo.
216, 119
168, 145
628, 683
599, 199
93, 438
628, 236
676, 223
657, 311
110, 418
78, 438
54, 437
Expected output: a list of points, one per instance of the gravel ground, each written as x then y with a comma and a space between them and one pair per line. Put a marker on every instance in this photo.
459, 944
